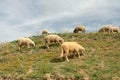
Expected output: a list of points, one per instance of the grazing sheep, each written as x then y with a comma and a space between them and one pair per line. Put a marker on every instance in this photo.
45, 32
25, 41
102, 29
106, 28
79, 28
53, 38
115, 29
68, 47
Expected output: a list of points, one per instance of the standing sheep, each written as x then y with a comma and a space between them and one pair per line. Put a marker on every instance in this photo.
25, 41
45, 32
106, 28
73, 47
53, 38
79, 28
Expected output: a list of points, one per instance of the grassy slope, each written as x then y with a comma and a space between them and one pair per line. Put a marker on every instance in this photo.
102, 58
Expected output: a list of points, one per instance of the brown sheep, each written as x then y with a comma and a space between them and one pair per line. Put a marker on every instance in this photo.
45, 32
53, 38
79, 28
25, 41
73, 47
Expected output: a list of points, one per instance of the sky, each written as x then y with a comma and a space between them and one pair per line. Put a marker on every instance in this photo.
23, 18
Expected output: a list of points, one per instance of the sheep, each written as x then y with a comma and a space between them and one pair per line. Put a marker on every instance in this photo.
106, 28
73, 47
53, 38
45, 32
102, 29
25, 41
79, 28
115, 29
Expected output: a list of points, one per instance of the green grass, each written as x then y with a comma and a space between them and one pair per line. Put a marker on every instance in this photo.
101, 61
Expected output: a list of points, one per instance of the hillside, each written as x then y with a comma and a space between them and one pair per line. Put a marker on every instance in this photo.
101, 61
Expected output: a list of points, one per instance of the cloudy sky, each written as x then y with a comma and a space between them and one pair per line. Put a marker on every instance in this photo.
20, 18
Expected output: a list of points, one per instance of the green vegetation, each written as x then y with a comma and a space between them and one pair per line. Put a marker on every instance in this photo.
101, 61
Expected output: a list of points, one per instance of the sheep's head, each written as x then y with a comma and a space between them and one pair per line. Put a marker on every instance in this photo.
61, 40
75, 31
81, 48
116, 29
32, 44
100, 31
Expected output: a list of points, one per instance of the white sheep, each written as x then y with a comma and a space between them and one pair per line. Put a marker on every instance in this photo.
45, 32
25, 41
53, 38
106, 28
79, 28
73, 47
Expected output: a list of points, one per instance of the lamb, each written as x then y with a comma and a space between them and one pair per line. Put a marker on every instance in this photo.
53, 38
106, 28
45, 32
25, 41
79, 28
115, 29
73, 47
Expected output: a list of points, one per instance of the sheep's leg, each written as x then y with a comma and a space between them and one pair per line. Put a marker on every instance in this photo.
66, 58
28, 46
58, 42
19, 47
73, 54
109, 31
78, 54
47, 45
82, 53
61, 55
66, 54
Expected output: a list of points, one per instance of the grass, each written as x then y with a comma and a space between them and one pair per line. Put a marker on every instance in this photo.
101, 61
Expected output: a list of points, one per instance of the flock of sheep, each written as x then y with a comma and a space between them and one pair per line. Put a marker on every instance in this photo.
66, 47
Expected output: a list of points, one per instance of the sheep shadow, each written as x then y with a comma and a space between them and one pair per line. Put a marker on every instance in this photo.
54, 45
56, 60
23, 52
42, 47
50, 45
